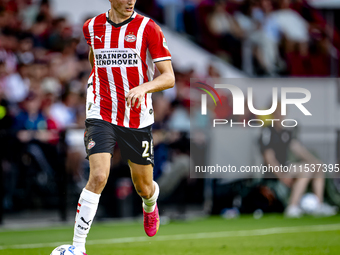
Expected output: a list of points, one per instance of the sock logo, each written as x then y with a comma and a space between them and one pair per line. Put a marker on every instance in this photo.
86, 222
82, 228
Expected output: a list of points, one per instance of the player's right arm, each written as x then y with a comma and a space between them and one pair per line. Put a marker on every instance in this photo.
165, 81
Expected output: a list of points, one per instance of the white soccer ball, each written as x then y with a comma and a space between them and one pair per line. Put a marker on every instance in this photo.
67, 249
309, 203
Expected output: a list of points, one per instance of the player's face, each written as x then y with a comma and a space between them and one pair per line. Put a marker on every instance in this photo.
123, 7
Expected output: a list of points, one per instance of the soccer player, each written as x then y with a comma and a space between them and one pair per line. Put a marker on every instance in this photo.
124, 49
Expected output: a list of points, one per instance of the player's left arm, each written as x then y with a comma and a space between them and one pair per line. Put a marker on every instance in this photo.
164, 81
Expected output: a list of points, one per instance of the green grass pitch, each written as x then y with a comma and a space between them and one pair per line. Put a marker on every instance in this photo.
271, 234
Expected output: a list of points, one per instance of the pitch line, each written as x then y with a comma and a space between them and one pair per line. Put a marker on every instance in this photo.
206, 235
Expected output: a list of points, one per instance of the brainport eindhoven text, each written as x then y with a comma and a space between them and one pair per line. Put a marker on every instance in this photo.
255, 122
116, 59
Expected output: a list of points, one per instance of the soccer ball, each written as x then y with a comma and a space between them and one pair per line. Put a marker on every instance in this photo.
67, 249
309, 203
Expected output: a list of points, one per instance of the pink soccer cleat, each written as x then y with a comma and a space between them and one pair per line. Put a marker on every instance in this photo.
151, 222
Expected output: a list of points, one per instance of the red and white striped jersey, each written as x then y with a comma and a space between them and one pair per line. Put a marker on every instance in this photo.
124, 57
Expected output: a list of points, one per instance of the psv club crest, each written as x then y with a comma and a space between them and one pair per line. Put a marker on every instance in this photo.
91, 145
130, 38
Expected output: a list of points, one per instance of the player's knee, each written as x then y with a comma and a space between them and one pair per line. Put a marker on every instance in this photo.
144, 190
98, 179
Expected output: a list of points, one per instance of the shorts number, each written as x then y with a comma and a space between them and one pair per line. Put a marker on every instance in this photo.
145, 144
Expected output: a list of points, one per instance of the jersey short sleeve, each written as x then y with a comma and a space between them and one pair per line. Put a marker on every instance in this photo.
86, 32
157, 44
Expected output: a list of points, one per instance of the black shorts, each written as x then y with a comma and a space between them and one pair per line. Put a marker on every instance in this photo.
136, 145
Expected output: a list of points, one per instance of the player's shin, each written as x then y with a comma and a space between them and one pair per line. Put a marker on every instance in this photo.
86, 210
150, 204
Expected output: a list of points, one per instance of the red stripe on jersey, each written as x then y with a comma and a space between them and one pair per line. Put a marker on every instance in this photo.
105, 96
117, 77
79, 204
114, 37
99, 28
132, 75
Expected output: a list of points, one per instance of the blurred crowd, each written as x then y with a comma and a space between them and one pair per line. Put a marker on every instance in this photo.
43, 76
262, 37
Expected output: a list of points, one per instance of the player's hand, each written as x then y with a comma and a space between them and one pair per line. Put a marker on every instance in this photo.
133, 95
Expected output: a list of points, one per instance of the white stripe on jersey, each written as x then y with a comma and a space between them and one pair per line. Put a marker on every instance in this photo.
113, 96
95, 108
107, 44
126, 91
161, 59
107, 39
124, 75
139, 48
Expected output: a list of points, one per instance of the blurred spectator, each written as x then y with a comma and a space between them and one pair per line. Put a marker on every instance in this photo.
293, 27
267, 37
8, 44
5, 118
224, 26
275, 143
64, 113
31, 123
25, 50
173, 13
17, 84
